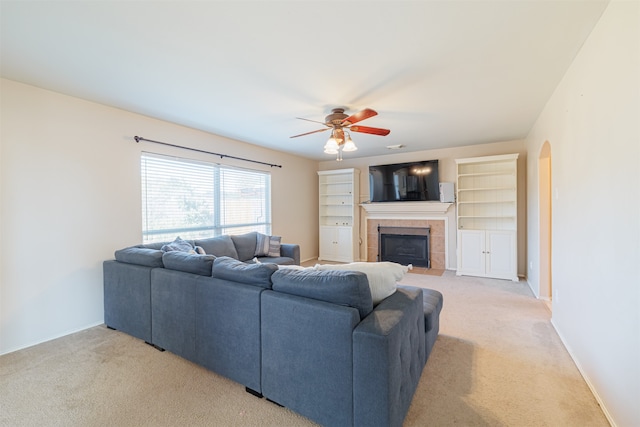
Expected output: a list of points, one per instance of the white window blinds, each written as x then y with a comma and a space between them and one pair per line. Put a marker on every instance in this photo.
194, 199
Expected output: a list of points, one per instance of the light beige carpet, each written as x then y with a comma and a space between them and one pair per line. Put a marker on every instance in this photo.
497, 362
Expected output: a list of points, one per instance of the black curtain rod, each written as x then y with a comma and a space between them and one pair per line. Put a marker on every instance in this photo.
222, 156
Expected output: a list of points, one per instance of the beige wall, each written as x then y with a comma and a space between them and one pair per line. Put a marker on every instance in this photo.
70, 196
592, 123
447, 173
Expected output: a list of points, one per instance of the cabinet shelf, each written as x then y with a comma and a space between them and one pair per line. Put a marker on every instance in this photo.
481, 202
336, 183
486, 216
496, 173
485, 188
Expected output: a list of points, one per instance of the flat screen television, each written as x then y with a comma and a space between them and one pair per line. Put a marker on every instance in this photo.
414, 181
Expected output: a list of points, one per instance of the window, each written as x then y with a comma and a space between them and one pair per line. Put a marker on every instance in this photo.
194, 199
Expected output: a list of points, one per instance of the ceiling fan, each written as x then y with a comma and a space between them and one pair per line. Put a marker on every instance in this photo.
341, 124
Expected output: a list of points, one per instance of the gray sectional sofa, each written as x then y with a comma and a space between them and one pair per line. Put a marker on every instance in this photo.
309, 340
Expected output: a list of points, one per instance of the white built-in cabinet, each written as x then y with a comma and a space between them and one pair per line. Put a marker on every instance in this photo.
339, 219
487, 194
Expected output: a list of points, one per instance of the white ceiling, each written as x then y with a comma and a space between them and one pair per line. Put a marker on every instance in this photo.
439, 73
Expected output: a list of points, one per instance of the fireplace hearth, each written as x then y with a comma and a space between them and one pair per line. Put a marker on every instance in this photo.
404, 245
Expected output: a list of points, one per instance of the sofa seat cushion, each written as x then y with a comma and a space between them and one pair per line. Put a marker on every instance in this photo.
432, 308
281, 260
220, 246
347, 288
382, 276
227, 268
432, 302
189, 263
140, 256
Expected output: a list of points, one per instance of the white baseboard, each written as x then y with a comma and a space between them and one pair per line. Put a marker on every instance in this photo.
64, 334
584, 376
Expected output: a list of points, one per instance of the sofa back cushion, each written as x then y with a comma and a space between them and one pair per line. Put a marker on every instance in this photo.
382, 276
153, 245
190, 263
220, 246
347, 288
245, 245
140, 256
227, 268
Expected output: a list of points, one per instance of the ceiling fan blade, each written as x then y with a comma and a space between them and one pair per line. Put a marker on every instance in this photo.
359, 116
309, 120
309, 133
373, 131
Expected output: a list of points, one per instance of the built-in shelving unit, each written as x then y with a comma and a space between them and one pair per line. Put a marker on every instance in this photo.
339, 220
487, 209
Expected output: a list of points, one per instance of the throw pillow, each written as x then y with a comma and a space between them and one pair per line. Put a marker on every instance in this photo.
382, 276
262, 245
267, 245
274, 246
178, 245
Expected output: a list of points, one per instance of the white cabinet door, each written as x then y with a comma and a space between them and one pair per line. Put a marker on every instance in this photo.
327, 239
336, 244
471, 259
344, 247
501, 255
487, 253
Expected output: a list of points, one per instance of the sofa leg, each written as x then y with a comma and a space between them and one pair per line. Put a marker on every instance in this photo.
253, 392
154, 346
275, 403
109, 327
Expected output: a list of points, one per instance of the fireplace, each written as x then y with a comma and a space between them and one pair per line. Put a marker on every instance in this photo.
434, 215
404, 245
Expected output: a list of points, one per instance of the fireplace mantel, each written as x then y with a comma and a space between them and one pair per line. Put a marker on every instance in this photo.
410, 214
406, 209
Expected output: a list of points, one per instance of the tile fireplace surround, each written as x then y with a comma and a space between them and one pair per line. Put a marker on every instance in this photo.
409, 214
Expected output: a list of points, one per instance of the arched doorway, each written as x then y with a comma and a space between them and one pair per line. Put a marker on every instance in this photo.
544, 191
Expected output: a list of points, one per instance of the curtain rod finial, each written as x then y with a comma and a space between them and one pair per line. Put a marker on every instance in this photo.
137, 138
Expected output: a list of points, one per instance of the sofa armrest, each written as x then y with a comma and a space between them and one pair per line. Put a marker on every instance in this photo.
127, 298
388, 358
290, 250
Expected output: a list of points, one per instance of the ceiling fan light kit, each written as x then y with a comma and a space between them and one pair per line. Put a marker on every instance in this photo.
340, 123
349, 145
331, 147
